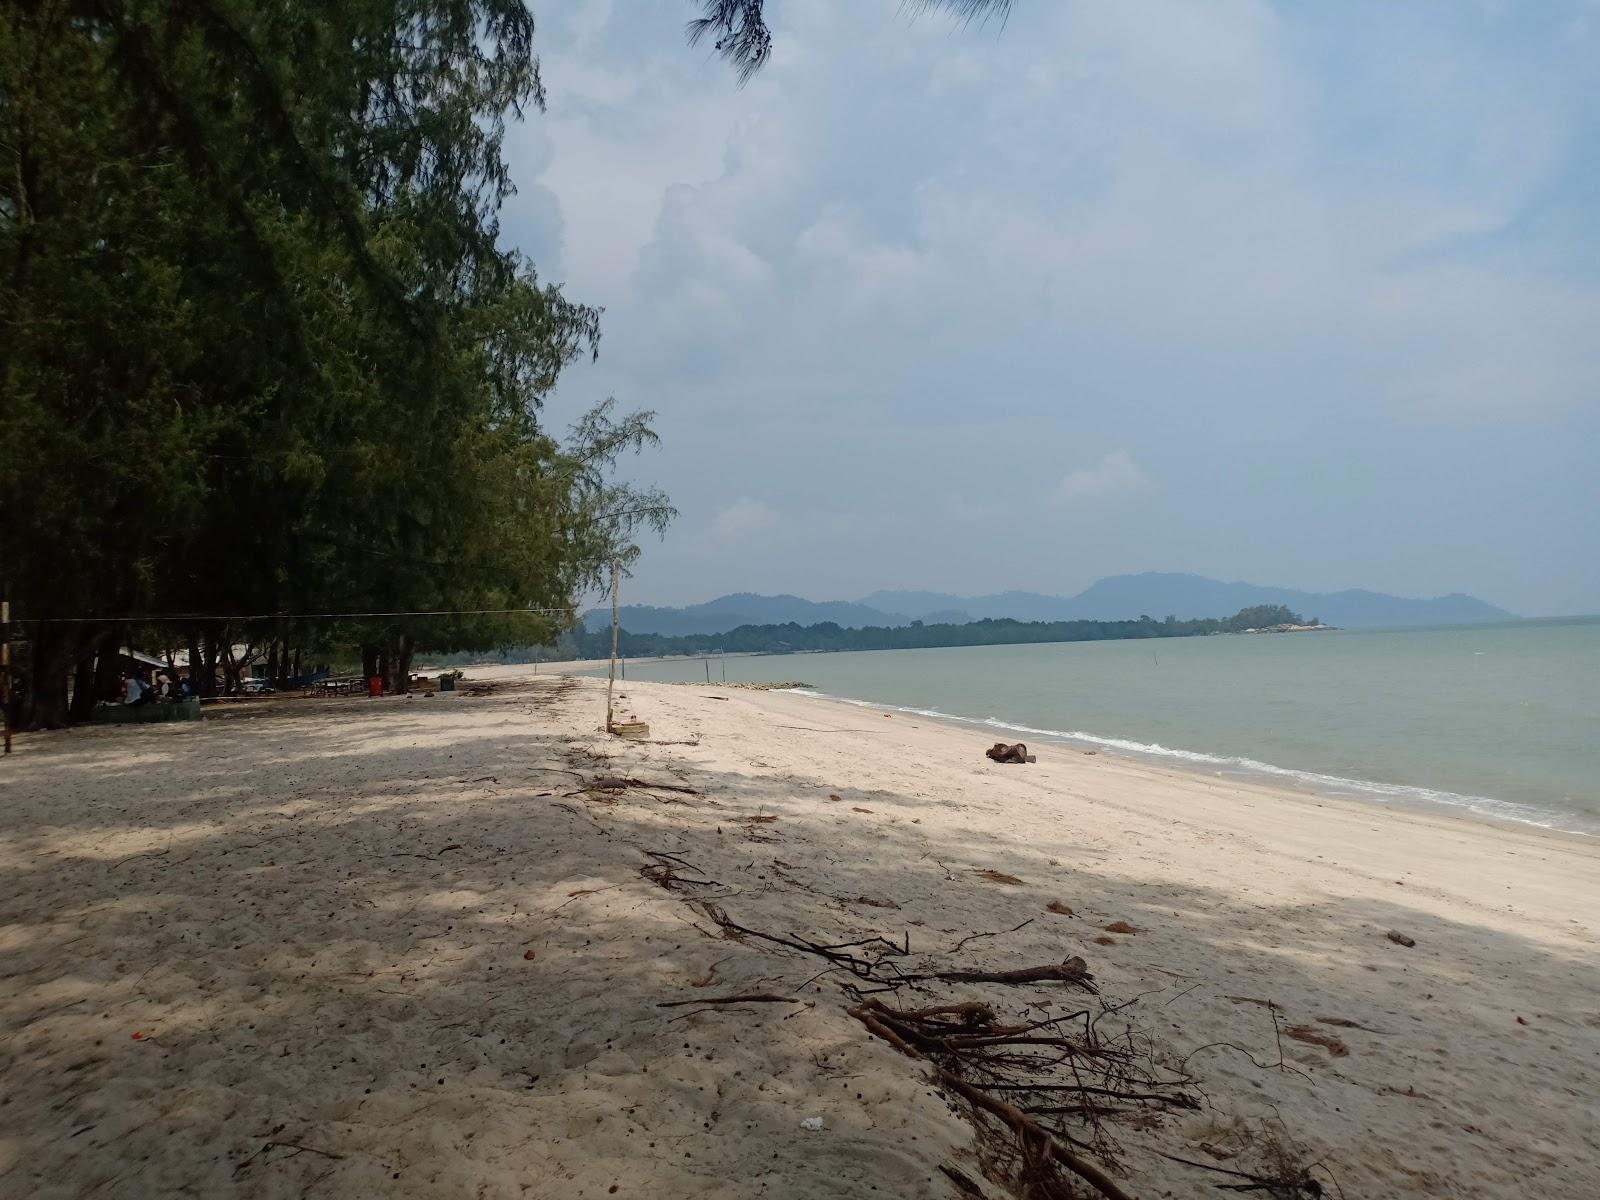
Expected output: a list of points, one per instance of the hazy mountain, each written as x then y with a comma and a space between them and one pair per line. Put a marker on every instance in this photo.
1187, 596
1114, 598
1018, 606
1195, 596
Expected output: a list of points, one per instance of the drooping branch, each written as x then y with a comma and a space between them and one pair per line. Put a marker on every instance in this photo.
738, 29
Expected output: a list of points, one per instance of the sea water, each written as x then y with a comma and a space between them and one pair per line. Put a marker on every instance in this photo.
1498, 720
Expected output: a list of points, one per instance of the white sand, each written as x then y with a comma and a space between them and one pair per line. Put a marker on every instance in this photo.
316, 914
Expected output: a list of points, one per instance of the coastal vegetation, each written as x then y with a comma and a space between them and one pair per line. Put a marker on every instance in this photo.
769, 639
262, 355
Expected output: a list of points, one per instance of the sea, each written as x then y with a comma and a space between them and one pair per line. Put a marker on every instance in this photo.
1498, 721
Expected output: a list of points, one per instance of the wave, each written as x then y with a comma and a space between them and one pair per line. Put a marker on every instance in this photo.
1366, 789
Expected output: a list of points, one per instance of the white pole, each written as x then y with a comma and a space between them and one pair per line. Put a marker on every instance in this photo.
611, 678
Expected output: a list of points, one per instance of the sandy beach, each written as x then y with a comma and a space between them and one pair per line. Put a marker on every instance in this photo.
406, 947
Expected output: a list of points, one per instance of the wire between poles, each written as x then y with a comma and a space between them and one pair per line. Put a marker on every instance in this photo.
283, 616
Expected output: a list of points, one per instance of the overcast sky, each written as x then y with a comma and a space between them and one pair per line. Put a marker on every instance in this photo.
1302, 294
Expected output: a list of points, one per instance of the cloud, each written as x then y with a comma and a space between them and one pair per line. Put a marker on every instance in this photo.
1273, 250
739, 524
1114, 475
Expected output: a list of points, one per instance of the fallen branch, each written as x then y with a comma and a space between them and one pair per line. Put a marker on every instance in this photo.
621, 783
1033, 1136
963, 1185
750, 998
1074, 971
862, 968
142, 854
972, 937
663, 871
297, 1147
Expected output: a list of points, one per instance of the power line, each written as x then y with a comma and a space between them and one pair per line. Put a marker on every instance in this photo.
287, 616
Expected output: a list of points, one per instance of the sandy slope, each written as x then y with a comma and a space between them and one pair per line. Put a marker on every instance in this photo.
318, 917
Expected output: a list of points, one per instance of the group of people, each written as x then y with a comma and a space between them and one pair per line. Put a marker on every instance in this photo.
135, 689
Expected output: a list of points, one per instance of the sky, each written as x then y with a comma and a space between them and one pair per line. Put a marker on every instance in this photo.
1300, 294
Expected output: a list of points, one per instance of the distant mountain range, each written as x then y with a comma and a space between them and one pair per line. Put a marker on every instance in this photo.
1117, 597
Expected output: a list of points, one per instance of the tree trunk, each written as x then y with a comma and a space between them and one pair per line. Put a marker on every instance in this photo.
295, 674
83, 693
193, 637
272, 664
95, 642
105, 670
206, 685
383, 669
51, 662
404, 648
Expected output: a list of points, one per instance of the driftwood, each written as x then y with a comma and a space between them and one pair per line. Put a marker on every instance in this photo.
1043, 1094
962, 1184
1074, 971
972, 937
664, 872
1035, 1140
838, 953
751, 998
621, 783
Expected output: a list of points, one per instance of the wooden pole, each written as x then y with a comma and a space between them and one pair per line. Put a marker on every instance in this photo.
5, 669
611, 677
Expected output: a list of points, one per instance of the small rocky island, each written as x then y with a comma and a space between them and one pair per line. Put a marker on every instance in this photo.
1273, 618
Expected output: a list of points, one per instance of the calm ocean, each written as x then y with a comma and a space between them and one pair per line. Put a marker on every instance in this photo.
1502, 721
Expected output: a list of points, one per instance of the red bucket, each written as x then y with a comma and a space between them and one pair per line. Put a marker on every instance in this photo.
375, 685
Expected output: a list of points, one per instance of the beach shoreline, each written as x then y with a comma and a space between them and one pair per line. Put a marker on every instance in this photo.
1394, 797
413, 934
1288, 781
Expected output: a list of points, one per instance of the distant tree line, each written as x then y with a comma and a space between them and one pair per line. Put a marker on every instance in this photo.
771, 639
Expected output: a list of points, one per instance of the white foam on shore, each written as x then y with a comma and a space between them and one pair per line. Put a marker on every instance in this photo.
1365, 789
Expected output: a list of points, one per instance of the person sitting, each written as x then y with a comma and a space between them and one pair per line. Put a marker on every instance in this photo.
138, 691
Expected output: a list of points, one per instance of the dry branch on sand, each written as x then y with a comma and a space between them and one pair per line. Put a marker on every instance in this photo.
974, 1057
747, 998
1045, 1089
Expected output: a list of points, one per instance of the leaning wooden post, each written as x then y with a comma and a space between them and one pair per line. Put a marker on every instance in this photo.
611, 678
5, 668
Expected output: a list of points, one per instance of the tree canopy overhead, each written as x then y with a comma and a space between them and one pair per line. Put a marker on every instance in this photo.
260, 348
738, 29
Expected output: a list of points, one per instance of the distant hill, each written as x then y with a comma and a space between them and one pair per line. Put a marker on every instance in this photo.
1115, 598
1190, 596
1015, 606
1195, 596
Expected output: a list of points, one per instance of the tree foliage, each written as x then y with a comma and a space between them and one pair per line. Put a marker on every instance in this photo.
260, 349
738, 29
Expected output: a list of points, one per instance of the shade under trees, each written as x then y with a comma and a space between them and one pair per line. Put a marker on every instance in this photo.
261, 351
